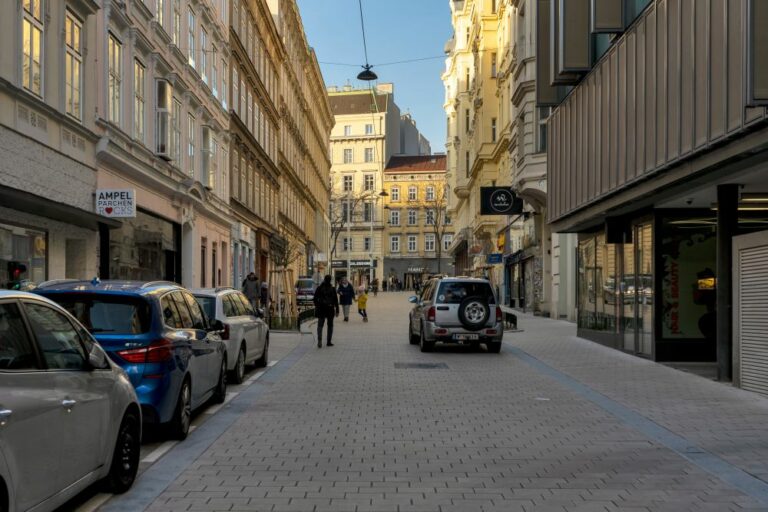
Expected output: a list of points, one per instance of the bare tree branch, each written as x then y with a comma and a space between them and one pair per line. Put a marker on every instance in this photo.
336, 215
438, 206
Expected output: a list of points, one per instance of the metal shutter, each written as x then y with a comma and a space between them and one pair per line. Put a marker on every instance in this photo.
753, 317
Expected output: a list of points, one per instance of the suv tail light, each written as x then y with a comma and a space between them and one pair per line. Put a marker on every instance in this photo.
498, 314
431, 314
156, 352
225, 333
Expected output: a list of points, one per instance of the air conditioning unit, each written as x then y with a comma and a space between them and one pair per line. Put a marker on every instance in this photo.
164, 99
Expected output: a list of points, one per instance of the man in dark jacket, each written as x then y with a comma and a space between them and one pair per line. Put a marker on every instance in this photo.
326, 308
346, 296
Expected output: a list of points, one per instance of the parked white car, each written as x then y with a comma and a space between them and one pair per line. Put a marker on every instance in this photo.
246, 334
69, 416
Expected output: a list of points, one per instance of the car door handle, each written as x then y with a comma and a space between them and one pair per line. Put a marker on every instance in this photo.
5, 414
443, 308
68, 404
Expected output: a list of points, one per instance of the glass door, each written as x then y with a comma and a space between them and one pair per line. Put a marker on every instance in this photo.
636, 289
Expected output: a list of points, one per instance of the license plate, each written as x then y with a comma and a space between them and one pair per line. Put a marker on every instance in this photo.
465, 337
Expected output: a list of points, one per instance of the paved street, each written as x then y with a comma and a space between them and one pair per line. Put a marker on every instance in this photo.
552, 423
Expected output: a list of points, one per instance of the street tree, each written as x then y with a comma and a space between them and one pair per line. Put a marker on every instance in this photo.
434, 203
342, 210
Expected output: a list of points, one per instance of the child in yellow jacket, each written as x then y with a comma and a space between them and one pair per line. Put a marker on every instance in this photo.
362, 302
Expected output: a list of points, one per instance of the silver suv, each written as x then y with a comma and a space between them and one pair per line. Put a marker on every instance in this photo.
456, 310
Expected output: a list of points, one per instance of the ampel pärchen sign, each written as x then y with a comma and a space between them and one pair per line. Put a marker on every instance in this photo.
116, 202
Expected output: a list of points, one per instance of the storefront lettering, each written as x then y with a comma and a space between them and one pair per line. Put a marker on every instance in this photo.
672, 300
116, 202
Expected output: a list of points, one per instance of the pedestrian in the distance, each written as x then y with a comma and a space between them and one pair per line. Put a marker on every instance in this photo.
346, 296
362, 302
326, 308
264, 294
251, 289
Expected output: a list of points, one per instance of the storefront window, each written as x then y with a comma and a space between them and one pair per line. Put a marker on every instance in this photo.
587, 292
145, 248
23, 254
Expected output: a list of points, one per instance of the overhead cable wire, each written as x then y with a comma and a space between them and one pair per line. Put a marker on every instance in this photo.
362, 25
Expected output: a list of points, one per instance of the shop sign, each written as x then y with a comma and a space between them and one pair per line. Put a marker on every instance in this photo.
118, 203
339, 264
415, 270
499, 201
363, 263
493, 258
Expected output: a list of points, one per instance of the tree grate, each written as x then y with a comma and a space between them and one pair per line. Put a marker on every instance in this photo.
422, 366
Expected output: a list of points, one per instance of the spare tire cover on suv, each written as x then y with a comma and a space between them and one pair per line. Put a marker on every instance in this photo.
474, 313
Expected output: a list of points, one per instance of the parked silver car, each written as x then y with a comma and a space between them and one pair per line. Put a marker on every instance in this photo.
68, 416
456, 310
245, 333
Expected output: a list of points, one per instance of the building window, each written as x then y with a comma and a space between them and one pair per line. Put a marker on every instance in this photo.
466, 163
394, 217
493, 129
32, 34
347, 156
429, 242
369, 155
447, 241
345, 216
160, 12
176, 131
541, 134
394, 243
348, 183
430, 193
224, 71
347, 244
176, 22
203, 55
138, 100
466, 78
430, 218
411, 217
235, 91
73, 64
412, 243
466, 120
369, 182
369, 129
395, 193
115, 79
347, 130
214, 74
191, 143
367, 244
493, 64
368, 212
466, 32
191, 37
412, 193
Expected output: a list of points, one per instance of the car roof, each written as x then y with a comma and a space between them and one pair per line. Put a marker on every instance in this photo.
15, 294
463, 279
107, 286
212, 292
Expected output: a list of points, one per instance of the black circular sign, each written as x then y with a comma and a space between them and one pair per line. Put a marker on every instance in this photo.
501, 200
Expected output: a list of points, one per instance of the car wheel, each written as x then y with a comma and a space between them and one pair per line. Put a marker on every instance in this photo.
474, 313
125, 458
426, 346
182, 415
412, 338
494, 347
263, 361
238, 375
220, 392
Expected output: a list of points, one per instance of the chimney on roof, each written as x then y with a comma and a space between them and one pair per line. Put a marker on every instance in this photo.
333, 88
347, 88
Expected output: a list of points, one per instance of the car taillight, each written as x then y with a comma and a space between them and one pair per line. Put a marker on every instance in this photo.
498, 314
225, 333
431, 314
157, 352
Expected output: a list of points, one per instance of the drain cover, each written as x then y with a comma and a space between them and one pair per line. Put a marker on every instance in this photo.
422, 366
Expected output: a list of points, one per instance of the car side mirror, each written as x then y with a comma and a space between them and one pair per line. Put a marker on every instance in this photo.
413, 299
97, 359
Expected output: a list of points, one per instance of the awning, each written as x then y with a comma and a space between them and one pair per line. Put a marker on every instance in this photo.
36, 205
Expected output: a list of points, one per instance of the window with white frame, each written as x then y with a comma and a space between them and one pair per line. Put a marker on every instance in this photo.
430, 218
394, 217
348, 156
191, 143
235, 90
347, 130
160, 12
32, 44
447, 241
368, 183
224, 71
348, 182
191, 36
413, 241
73, 65
429, 242
204, 55
411, 217
367, 244
176, 37
214, 74
430, 193
394, 243
249, 114
369, 155
114, 87
208, 155
369, 129
493, 129
176, 131
345, 216
412, 193
394, 192
346, 244
368, 212
138, 100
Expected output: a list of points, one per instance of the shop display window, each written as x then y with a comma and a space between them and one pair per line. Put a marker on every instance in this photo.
23, 257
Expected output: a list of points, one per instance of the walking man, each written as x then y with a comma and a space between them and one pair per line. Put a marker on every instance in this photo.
346, 296
251, 289
326, 308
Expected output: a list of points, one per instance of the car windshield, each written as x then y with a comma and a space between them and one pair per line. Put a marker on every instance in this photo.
208, 304
108, 313
455, 292
303, 284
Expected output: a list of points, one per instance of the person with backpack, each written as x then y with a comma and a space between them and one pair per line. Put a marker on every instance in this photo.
346, 296
326, 308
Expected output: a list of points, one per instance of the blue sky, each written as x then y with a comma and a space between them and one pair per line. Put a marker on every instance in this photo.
395, 30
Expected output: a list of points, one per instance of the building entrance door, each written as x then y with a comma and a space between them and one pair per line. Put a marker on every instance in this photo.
636, 290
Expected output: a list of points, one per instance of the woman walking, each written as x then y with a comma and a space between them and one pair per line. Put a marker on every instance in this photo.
346, 296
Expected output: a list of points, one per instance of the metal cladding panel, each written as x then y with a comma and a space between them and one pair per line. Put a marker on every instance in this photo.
651, 94
605, 127
613, 119
632, 104
701, 76
735, 37
687, 64
607, 16
546, 94
674, 70
574, 38
621, 113
757, 47
718, 68
661, 84
640, 92
752, 318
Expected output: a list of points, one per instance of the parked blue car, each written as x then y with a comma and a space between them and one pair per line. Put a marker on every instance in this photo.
158, 333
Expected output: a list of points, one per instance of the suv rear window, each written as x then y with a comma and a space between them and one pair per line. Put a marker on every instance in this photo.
108, 313
455, 292
304, 284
